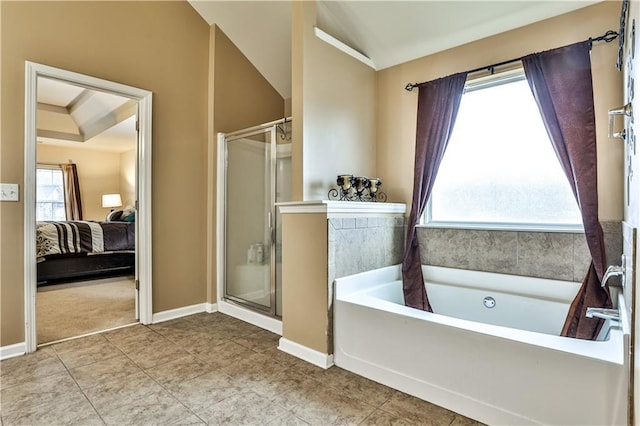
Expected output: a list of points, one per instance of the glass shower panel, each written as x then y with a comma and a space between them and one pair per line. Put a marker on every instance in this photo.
249, 199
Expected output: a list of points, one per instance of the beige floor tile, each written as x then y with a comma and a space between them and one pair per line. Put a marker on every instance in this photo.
116, 393
102, 372
246, 408
330, 407
357, 386
78, 344
289, 388
38, 391
16, 371
182, 369
69, 410
154, 351
153, 409
126, 332
84, 354
382, 418
220, 356
417, 410
261, 341
252, 368
281, 357
465, 421
288, 419
199, 393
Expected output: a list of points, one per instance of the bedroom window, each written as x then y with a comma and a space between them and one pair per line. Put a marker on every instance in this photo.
49, 194
500, 169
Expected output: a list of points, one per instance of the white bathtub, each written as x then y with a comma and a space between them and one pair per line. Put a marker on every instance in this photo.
511, 368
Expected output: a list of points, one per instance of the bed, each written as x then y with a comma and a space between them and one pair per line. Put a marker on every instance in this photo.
81, 250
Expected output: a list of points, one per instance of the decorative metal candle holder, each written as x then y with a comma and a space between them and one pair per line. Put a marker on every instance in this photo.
358, 188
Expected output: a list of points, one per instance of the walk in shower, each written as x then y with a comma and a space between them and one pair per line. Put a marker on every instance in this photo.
256, 175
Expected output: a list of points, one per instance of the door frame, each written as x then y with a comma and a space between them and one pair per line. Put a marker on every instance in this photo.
143, 187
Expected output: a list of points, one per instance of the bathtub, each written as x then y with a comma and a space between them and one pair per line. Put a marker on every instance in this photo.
498, 360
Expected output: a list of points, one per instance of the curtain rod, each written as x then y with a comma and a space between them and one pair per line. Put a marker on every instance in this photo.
607, 37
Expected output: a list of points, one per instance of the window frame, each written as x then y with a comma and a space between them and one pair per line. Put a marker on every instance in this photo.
43, 166
426, 219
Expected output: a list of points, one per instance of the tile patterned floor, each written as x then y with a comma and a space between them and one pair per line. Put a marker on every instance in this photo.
202, 369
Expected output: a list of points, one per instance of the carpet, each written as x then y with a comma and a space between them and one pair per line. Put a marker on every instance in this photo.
71, 310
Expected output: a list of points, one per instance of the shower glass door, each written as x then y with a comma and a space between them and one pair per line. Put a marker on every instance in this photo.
250, 220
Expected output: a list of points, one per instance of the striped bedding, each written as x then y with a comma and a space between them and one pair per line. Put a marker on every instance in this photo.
73, 237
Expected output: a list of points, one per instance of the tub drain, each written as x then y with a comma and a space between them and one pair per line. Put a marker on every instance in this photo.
489, 302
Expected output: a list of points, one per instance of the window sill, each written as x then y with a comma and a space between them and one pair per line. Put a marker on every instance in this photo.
565, 229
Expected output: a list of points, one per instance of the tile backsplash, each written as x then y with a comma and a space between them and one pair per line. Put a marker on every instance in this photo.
555, 255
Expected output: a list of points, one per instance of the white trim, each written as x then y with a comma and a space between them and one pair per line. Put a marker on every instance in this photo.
144, 172
327, 38
341, 208
179, 312
514, 227
12, 351
312, 356
247, 315
210, 307
220, 225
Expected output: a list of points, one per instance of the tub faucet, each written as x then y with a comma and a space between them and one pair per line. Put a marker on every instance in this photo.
603, 313
612, 271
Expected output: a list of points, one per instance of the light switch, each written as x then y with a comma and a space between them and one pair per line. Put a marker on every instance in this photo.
9, 192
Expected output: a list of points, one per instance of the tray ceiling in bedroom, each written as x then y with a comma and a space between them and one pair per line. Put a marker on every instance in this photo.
78, 117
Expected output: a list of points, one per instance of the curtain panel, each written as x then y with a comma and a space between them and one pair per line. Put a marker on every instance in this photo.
560, 80
438, 104
72, 200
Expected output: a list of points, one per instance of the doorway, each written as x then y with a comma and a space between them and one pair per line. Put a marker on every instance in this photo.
128, 107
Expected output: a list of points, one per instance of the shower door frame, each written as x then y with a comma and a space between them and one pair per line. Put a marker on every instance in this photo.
223, 139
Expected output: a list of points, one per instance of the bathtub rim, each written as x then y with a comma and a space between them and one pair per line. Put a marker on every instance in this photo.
353, 289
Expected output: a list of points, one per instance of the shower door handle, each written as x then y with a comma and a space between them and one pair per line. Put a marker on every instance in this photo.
271, 230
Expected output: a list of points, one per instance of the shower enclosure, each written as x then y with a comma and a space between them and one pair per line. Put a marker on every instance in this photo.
256, 175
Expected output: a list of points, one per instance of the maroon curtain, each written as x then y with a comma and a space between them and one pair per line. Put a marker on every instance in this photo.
72, 200
560, 80
438, 103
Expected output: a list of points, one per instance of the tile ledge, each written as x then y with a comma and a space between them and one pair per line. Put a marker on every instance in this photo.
330, 207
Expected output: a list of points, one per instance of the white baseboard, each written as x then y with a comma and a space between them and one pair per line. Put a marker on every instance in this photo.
178, 313
11, 351
211, 307
246, 315
312, 356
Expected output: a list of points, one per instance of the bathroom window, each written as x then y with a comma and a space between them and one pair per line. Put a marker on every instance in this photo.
49, 194
500, 169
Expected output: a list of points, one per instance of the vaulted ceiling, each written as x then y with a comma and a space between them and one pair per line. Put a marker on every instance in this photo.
388, 32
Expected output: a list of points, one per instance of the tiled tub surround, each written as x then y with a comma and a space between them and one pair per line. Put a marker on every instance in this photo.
364, 243
555, 255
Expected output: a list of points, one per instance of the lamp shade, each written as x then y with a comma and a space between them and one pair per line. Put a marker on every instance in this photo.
111, 200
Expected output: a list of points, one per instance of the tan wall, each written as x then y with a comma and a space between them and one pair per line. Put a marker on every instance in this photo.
98, 174
128, 177
158, 46
240, 98
336, 96
397, 107
304, 280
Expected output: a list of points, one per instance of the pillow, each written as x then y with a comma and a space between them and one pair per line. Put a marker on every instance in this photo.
131, 217
115, 215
